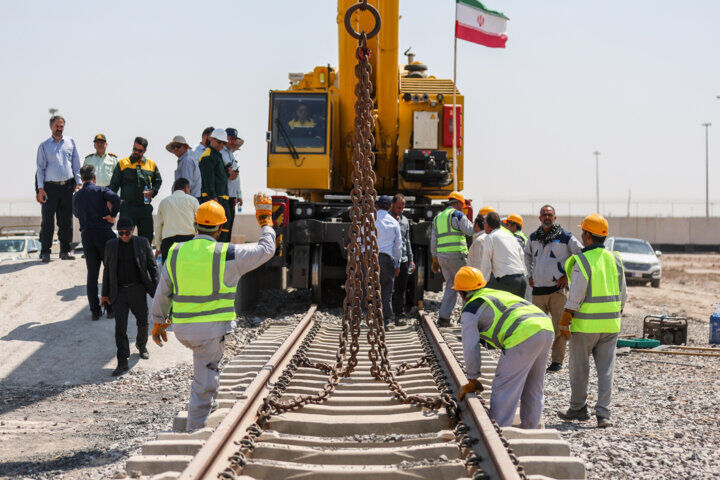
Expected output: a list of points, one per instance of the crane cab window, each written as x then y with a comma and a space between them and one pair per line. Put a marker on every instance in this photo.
299, 121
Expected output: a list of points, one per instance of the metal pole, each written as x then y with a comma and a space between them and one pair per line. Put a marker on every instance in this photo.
707, 172
597, 181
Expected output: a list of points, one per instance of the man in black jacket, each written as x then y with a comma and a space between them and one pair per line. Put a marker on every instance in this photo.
130, 273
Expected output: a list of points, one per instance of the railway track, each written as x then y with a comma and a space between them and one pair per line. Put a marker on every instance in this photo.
360, 431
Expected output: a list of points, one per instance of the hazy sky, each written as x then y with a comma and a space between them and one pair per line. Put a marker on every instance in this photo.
632, 79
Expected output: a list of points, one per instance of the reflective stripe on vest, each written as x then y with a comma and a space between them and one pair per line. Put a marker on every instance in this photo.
515, 320
449, 239
196, 269
603, 272
522, 236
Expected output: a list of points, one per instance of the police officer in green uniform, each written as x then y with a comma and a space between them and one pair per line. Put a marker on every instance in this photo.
215, 177
103, 162
138, 180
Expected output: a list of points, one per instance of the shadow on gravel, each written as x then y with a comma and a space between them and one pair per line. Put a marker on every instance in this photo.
70, 294
16, 267
572, 426
58, 465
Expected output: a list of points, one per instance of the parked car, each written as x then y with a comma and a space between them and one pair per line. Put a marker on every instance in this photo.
19, 247
641, 262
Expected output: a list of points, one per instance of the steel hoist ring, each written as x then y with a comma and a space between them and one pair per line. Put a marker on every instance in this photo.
362, 6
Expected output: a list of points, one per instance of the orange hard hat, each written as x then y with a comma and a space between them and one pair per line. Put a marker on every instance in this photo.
457, 196
514, 217
485, 210
504, 220
210, 213
595, 224
468, 279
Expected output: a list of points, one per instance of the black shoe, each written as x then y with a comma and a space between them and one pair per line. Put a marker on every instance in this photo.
66, 256
443, 322
96, 316
571, 414
144, 353
45, 258
400, 322
554, 367
121, 369
603, 422
109, 313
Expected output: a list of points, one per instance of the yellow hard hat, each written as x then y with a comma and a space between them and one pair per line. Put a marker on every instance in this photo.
595, 224
468, 279
485, 210
514, 217
457, 196
210, 213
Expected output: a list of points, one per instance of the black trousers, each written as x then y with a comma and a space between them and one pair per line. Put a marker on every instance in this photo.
400, 290
58, 204
225, 235
141, 216
515, 284
93, 242
130, 299
168, 242
387, 281
232, 208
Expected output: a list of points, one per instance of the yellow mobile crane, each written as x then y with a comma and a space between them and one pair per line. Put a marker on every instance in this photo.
309, 138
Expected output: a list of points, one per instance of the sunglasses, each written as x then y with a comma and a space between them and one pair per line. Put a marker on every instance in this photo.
176, 147
124, 233
137, 150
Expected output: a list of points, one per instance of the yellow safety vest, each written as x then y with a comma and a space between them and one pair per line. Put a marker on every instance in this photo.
449, 239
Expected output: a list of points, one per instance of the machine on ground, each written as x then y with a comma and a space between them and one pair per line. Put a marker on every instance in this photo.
309, 148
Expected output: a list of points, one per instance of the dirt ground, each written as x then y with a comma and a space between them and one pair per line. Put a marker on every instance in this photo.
63, 416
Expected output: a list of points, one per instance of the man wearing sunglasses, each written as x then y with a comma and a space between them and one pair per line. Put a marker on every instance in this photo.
130, 274
199, 281
138, 180
187, 166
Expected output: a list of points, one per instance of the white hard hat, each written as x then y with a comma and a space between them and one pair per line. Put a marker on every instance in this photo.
219, 134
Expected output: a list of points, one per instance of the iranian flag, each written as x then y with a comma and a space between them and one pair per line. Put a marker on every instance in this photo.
477, 24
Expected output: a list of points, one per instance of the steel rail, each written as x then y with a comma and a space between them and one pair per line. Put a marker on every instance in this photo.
472, 410
212, 457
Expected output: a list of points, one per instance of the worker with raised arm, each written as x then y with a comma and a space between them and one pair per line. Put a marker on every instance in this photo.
523, 333
449, 250
198, 281
591, 319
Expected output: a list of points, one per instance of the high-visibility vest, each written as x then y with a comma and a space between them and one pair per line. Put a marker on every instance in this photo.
196, 269
515, 321
600, 311
519, 234
449, 239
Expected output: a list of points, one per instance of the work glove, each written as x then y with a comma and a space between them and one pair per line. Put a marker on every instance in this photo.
263, 210
471, 387
436, 266
564, 325
158, 333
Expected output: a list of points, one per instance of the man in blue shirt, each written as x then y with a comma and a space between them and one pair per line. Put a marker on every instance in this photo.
58, 176
90, 206
389, 242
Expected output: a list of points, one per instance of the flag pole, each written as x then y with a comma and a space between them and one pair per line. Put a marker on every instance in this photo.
454, 111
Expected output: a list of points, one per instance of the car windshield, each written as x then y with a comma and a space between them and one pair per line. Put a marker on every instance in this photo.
299, 120
8, 245
632, 246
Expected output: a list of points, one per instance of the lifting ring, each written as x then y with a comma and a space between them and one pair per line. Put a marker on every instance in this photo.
362, 6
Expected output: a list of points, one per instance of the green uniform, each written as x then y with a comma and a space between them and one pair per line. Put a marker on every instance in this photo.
130, 179
215, 185
104, 167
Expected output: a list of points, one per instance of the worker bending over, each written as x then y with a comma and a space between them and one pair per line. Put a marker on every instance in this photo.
198, 281
449, 250
592, 319
523, 333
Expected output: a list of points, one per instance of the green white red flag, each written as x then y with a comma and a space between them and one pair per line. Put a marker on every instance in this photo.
475, 23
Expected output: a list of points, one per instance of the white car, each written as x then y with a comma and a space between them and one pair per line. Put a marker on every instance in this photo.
19, 247
641, 262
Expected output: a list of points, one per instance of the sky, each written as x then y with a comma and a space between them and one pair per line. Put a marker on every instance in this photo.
633, 80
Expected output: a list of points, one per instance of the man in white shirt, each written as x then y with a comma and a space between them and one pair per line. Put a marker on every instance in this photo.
503, 258
175, 218
390, 253
475, 251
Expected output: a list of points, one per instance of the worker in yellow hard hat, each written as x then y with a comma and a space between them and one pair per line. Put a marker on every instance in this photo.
449, 250
514, 223
592, 319
524, 334
198, 281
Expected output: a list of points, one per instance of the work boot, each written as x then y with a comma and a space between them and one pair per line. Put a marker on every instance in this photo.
603, 422
143, 353
571, 414
66, 256
121, 369
443, 322
45, 258
554, 367
96, 316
